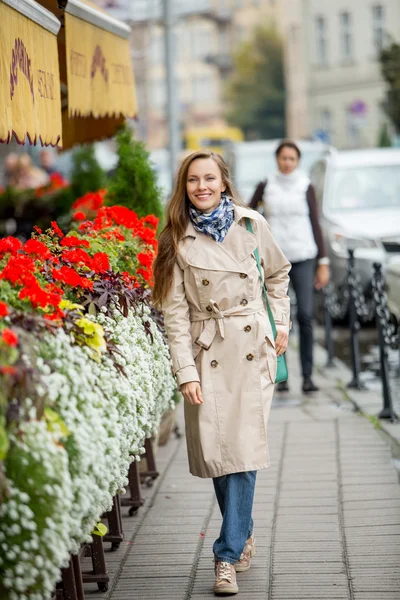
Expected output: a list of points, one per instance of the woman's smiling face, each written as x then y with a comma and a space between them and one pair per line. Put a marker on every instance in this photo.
204, 184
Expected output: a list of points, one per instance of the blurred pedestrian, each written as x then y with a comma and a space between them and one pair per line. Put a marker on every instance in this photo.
11, 168
29, 176
220, 337
47, 161
291, 209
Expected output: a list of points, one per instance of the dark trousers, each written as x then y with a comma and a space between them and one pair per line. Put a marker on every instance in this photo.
302, 277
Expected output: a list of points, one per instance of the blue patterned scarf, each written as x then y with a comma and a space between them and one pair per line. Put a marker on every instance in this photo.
217, 223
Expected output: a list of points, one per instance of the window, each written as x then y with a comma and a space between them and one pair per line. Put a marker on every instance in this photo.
378, 24
346, 40
321, 40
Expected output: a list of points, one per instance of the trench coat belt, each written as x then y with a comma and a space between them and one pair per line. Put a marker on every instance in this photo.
216, 318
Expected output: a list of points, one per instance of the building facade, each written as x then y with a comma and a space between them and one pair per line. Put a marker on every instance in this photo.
206, 35
335, 90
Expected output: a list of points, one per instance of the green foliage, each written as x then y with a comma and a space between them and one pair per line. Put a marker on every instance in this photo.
256, 90
384, 140
134, 184
87, 175
390, 68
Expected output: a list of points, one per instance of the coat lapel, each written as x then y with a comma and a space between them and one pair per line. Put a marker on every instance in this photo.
205, 253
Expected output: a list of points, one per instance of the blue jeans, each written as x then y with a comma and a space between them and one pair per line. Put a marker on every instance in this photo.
235, 494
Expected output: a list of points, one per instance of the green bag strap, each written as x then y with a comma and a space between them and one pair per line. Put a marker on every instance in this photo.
257, 255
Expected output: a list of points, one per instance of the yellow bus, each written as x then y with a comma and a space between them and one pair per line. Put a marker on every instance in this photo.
217, 139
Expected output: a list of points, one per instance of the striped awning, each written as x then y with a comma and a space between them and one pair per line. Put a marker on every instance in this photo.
30, 104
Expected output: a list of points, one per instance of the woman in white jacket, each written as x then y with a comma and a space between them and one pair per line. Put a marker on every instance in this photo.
291, 209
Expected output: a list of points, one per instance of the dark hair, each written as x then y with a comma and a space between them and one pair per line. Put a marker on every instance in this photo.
287, 144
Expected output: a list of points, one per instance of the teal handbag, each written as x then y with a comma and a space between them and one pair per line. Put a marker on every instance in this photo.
281, 369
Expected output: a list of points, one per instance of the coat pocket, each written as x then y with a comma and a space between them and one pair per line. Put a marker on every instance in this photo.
271, 357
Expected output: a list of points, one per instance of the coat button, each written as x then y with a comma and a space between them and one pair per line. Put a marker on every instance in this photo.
247, 328
214, 363
249, 357
209, 308
244, 302
205, 282
243, 275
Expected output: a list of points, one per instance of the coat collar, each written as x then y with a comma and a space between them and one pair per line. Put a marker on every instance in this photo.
228, 255
241, 212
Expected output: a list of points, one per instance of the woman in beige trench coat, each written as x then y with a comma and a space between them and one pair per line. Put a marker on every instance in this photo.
221, 342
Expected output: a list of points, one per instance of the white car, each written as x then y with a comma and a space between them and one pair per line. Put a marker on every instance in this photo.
359, 196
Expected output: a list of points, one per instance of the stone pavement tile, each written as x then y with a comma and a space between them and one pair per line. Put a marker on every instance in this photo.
362, 561
371, 492
316, 555
382, 476
311, 568
301, 545
373, 596
300, 502
376, 583
299, 494
309, 593
371, 504
387, 518
306, 511
370, 530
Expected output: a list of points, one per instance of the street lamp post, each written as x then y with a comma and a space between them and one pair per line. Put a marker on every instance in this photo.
172, 96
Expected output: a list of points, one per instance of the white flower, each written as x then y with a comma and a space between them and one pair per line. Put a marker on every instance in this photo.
108, 414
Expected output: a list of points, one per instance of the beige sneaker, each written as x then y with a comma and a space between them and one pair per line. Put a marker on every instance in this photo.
243, 564
225, 579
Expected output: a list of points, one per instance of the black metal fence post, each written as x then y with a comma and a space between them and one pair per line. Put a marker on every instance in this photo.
354, 326
382, 323
328, 329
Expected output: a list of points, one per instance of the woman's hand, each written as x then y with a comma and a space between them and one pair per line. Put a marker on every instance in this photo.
321, 277
281, 342
191, 391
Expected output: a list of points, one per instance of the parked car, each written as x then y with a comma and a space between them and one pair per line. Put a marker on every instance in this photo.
359, 195
393, 290
252, 162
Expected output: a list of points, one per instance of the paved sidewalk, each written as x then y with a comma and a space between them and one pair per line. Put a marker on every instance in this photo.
327, 515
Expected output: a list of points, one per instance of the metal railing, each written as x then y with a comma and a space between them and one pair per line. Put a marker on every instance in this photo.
353, 303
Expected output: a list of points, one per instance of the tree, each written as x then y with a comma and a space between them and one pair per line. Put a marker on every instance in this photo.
134, 183
390, 67
87, 175
256, 90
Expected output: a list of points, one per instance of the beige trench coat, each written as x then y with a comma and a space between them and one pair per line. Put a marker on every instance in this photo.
219, 334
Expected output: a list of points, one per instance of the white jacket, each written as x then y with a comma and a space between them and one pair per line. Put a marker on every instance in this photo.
287, 212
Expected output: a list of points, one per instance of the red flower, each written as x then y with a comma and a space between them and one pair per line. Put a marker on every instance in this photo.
51, 296
37, 229
77, 256
91, 201
100, 262
10, 244
145, 258
37, 249
71, 277
56, 229
79, 216
3, 309
9, 337
19, 269
8, 370
151, 220
145, 274
73, 241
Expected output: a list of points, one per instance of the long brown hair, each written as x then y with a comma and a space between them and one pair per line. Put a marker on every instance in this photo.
177, 222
